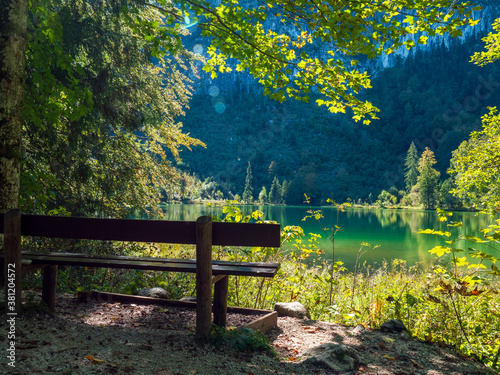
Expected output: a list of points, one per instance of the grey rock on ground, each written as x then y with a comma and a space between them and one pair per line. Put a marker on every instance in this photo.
338, 357
293, 309
393, 326
358, 329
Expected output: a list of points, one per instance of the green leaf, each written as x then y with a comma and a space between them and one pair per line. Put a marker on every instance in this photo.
479, 265
459, 262
423, 39
257, 215
440, 250
436, 232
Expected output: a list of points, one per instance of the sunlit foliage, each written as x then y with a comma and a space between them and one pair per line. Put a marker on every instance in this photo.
104, 87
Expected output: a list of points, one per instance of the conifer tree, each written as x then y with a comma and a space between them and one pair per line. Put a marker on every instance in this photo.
284, 191
428, 180
248, 192
411, 167
275, 194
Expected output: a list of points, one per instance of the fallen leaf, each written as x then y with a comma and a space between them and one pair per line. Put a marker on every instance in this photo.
389, 357
94, 360
310, 329
382, 346
417, 365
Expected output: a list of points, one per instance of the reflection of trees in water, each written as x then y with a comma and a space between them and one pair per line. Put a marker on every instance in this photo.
388, 218
395, 230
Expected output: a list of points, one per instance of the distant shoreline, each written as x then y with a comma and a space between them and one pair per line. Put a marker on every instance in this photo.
369, 206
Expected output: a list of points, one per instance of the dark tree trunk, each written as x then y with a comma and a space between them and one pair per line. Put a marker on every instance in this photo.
13, 39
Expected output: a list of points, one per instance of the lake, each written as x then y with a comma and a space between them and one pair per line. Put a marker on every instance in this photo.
394, 230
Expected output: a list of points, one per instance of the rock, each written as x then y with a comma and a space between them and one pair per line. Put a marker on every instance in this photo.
393, 326
358, 329
338, 357
152, 292
293, 309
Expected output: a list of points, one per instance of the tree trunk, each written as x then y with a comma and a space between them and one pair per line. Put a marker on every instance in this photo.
13, 39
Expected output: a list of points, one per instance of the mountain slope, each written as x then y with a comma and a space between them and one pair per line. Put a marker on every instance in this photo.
434, 98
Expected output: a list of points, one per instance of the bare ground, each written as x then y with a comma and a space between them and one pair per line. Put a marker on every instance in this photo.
104, 338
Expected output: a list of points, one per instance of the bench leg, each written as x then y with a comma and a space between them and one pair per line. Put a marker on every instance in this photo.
203, 276
49, 286
220, 301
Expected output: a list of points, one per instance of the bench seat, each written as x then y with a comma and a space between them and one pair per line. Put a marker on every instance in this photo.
147, 263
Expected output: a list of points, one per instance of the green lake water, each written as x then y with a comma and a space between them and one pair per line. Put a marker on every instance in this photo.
396, 231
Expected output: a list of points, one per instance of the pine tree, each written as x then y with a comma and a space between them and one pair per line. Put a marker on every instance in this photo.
284, 191
275, 194
411, 167
248, 192
428, 180
271, 171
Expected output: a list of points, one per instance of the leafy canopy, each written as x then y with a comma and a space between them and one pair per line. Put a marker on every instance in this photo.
476, 162
276, 41
476, 165
104, 86
492, 52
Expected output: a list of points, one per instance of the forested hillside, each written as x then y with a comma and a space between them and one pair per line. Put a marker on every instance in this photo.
433, 98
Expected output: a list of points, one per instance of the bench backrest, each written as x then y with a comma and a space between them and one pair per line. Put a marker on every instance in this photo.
158, 231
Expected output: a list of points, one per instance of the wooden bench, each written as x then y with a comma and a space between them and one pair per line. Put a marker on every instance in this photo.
203, 233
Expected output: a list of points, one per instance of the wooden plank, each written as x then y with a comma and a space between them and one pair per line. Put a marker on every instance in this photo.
264, 323
158, 231
129, 299
28, 255
246, 234
220, 301
113, 263
243, 271
203, 276
226, 268
12, 261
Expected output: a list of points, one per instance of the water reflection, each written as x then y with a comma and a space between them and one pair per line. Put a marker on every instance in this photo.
396, 231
